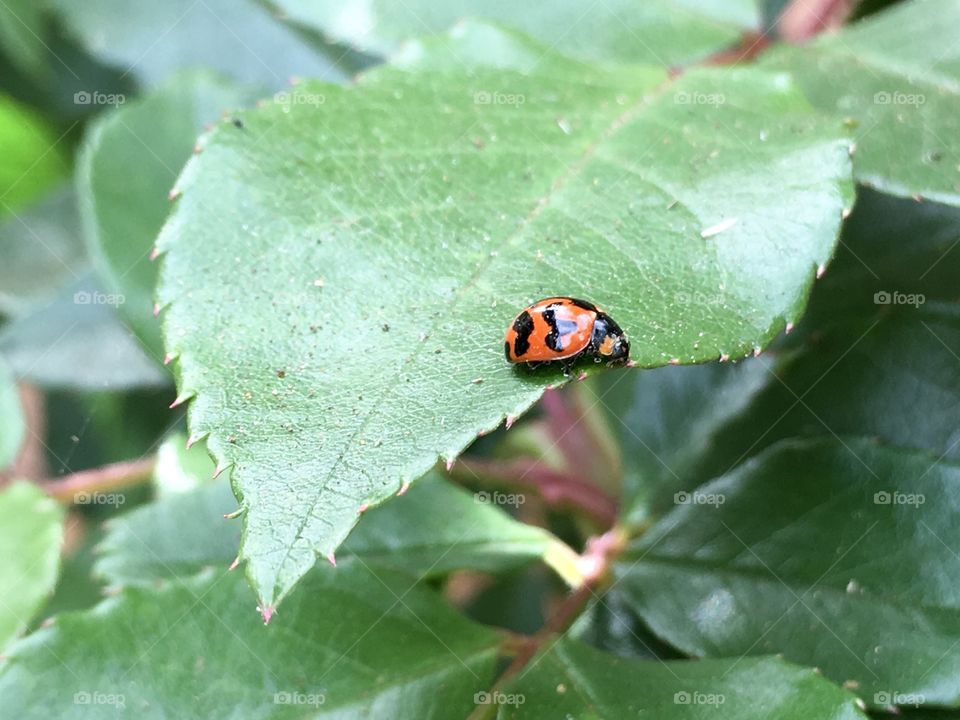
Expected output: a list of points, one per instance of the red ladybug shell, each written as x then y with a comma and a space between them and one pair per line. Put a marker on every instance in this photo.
564, 328
551, 329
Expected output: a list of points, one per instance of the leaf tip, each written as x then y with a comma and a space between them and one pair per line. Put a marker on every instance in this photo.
266, 613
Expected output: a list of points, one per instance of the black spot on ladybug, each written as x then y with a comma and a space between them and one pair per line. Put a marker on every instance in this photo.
523, 326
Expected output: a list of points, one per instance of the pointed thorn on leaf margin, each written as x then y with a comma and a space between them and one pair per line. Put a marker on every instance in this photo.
173, 194
450, 462
181, 399
363, 508
266, 613
156, 309
235, 514
332, 559
155, 253
233, 565
511, 419
169, 358
217, 470
403, 488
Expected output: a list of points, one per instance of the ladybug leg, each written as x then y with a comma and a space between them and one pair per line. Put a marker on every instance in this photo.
566, 366
534, 365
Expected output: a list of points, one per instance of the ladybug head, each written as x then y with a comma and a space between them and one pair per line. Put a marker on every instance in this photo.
609, 342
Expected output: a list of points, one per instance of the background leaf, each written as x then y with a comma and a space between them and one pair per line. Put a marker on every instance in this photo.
32, 162
656, 31
21, 35
42, 251
31, 530
273, 227
434, 529
122, 210
573, 680
897, 74
77, 341
236, 37
838, 552
422, 661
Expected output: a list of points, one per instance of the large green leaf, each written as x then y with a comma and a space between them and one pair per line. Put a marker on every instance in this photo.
42, 251
124, 211
572, 680
356, 642
12, 428
897, 74
151, 40
837, 553
432, 530
655, 31
369, 269
31, 530
32, 160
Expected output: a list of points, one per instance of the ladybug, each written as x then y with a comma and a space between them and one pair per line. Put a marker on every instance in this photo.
565, 329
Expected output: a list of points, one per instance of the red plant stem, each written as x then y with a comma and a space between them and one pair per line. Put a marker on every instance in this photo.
751, 45
802, 19
554, 486
101, 479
